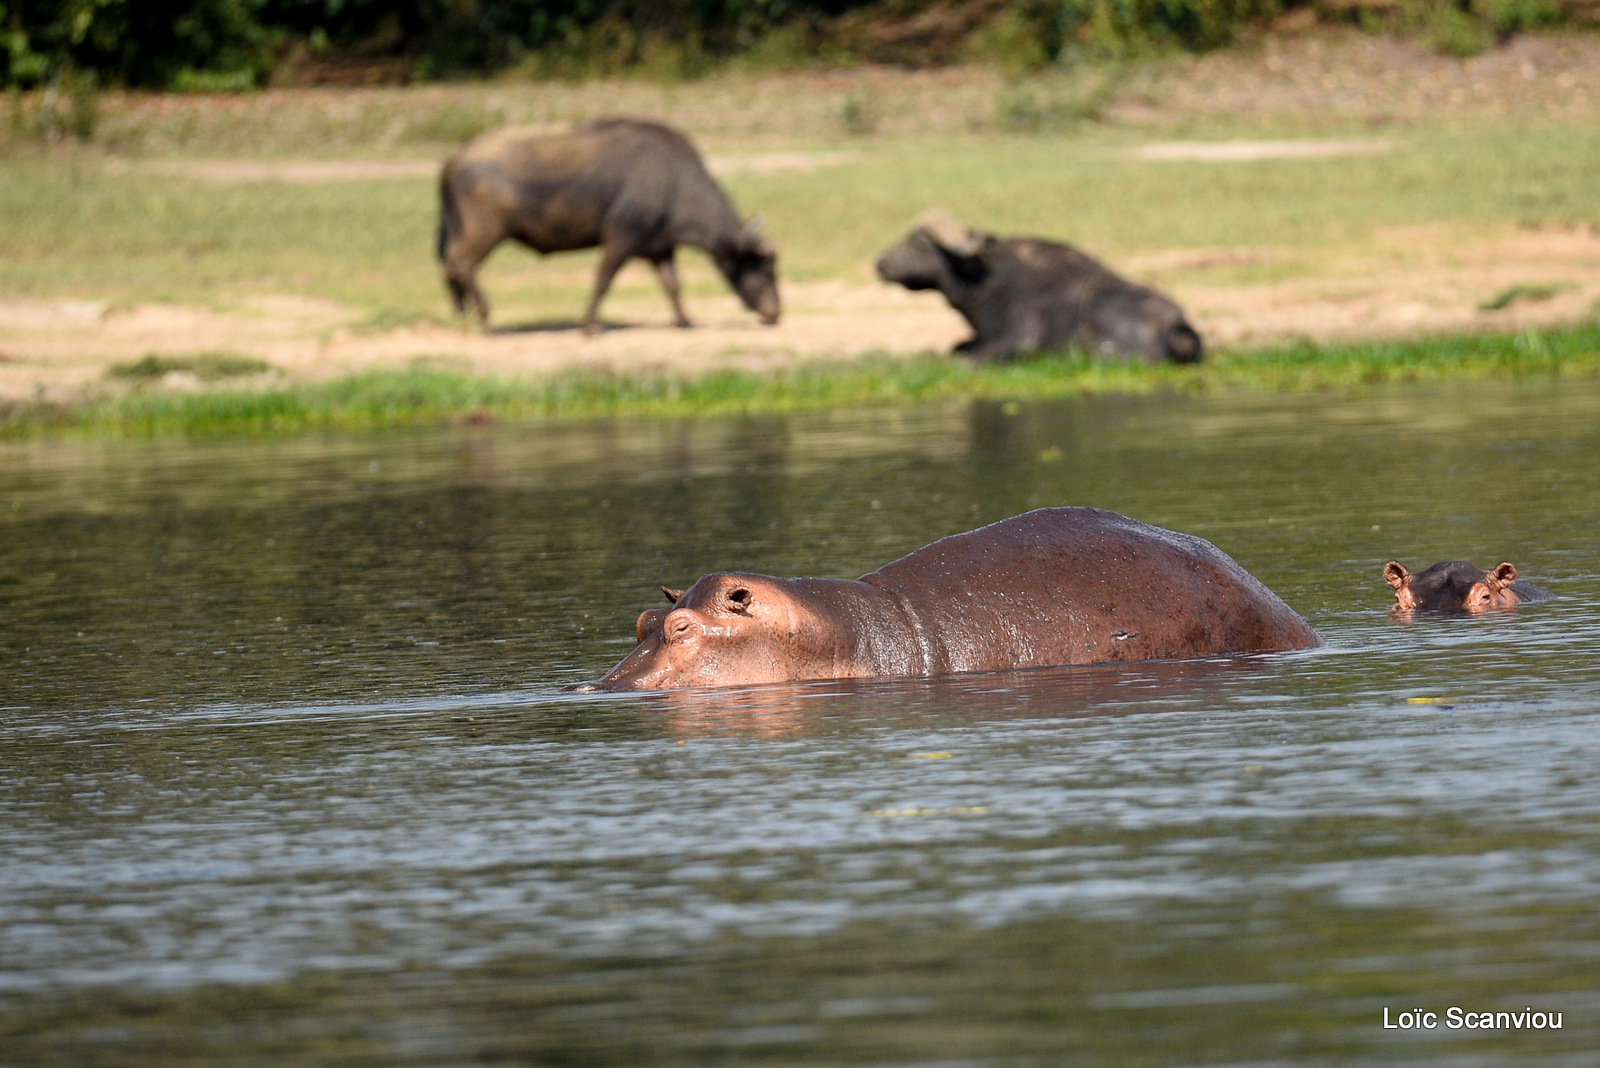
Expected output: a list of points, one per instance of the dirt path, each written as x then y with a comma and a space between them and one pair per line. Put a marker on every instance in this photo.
1408, 281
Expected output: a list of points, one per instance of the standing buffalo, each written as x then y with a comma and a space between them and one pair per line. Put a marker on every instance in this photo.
1023, 294
1053, 586
1459, 586
632, 188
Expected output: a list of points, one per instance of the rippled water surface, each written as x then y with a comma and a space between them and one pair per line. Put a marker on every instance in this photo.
287, 775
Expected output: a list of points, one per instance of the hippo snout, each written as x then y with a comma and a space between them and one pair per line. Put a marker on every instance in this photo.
612, 682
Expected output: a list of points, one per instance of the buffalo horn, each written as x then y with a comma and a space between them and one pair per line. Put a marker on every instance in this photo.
948, 233
750, 236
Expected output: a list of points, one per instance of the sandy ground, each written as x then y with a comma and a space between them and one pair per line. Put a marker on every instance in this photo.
62, 349
1408, 281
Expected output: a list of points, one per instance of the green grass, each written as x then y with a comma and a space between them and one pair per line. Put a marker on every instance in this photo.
89, 224
1511, 294
424, 395
80, 225
206, 366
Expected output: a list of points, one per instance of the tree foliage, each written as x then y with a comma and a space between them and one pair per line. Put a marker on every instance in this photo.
240, 43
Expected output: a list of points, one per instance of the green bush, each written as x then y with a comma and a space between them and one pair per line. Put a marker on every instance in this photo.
67, 106
229, 45
1506, 17
453, 124
1013, 43
206, 366
1457, 33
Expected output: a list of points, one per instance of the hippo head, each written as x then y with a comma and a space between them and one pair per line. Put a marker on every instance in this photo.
726, 630
750, 264
1453, 586
939, 253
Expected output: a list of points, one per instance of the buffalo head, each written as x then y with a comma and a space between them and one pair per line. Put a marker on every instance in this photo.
750, 264
939, 253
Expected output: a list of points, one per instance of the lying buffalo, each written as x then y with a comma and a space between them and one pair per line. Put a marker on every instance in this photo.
1052, 586
1458, 586
632, 188
1023, 294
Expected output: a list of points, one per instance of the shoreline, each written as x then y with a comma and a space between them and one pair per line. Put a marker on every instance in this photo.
215, 263
424, 396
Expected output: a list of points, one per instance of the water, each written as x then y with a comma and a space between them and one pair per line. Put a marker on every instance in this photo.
286, 775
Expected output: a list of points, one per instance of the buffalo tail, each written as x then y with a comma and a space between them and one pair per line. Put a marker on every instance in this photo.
1183, 344
447, 219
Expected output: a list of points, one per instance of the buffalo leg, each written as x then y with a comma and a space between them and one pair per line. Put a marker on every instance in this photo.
612, 257
989, 350
667, 271
461, 261
1019, 337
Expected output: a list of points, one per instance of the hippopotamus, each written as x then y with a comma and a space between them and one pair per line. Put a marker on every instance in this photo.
1459, 586
1055, 586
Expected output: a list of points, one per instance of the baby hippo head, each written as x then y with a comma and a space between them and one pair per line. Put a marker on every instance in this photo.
1453, 586
726, 630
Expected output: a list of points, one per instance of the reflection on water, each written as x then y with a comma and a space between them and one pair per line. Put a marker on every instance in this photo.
286, 773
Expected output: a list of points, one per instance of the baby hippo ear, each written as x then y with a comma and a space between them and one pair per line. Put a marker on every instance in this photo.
672, 595
1395, 574
1501, 577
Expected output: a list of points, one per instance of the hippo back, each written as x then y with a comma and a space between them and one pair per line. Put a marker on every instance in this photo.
1082, 586
1527, 592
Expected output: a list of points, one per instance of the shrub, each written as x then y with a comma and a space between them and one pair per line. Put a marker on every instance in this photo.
228, 45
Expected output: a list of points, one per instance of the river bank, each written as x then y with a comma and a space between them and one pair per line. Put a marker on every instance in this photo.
242, 398
274, 250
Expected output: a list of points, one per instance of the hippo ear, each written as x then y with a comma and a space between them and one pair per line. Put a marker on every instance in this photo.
672, 595
1501, 577
948, 233
1395, 574
649, 620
